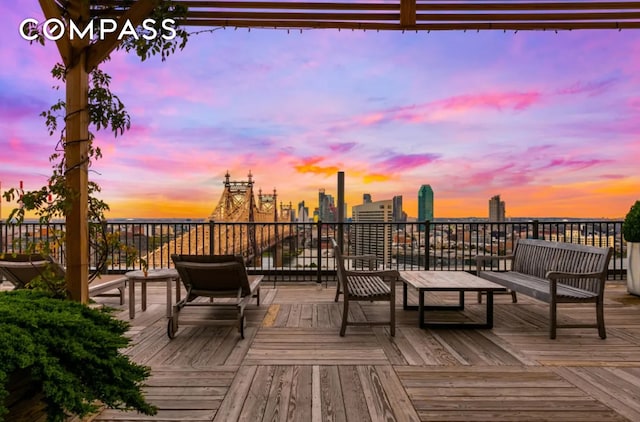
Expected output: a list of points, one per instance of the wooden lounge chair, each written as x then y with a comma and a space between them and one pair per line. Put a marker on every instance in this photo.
214, 277
365, 286
20, 269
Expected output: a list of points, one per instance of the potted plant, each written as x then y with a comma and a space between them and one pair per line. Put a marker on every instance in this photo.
64, 358
631, 233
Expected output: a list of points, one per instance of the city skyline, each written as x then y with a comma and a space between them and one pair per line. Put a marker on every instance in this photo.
548, 120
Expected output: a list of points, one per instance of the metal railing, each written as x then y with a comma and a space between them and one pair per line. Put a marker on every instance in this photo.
292, 251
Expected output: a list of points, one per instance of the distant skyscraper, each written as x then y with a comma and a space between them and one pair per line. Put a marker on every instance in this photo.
366, 198
372, 239
326, 207
496, 209
425, 203
398, 214
303, 212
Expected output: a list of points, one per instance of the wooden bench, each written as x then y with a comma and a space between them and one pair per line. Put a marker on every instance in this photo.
554, 272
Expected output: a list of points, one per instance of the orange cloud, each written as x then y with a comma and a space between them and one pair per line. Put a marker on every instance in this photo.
308, 165
375, 177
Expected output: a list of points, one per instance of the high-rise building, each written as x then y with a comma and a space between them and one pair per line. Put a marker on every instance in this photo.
326, 207
496, 209
303, 212
366, 198
372, 239
425, 203
398, 214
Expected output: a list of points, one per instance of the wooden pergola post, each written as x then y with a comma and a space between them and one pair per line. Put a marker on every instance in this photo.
76, 152
80, 57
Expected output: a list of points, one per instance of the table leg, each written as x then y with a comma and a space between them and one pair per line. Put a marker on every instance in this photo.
422, 308
404, 296
132, 299
489, 309
144, 295
421, 293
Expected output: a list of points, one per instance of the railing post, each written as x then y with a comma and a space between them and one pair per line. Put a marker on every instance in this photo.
535, 229
427, 243
319, 253
211, 237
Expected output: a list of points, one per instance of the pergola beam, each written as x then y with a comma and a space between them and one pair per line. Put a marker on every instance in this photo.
404, 14
99, 51
51, 10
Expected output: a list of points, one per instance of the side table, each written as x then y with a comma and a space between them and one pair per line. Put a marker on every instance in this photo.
166, 275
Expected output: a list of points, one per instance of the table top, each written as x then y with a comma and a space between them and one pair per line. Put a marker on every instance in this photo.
448, 281
153, 274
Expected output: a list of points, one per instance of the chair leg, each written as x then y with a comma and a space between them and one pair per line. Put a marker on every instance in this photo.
241, 321
392, 315
479, 297
345, 315
600, 316
552, 319
337, 291
514, 298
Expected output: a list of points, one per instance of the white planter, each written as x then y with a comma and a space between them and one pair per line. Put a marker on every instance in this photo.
633, 268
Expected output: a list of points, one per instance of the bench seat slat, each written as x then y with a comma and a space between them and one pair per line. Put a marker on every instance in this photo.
536, 287
367, 286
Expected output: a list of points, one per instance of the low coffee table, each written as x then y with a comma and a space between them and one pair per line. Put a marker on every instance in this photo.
447, 281
165, 275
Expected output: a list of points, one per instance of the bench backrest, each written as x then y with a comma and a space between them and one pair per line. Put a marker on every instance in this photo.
536, 257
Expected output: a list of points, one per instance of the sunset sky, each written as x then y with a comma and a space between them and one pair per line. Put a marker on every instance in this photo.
550, 122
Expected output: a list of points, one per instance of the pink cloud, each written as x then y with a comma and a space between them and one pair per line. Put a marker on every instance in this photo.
591, 88
342, 147
401, 163
507, 100
574, 164
444, 109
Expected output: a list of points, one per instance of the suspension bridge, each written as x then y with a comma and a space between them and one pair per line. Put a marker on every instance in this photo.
228, 231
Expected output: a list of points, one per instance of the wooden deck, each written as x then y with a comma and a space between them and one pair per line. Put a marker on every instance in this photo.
294, 366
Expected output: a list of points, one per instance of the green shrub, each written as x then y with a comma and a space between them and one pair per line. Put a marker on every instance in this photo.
631, 225
72, 352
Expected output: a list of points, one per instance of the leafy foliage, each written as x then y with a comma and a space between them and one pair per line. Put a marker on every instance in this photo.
105, 111
631, 224
72, 352
158, 45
